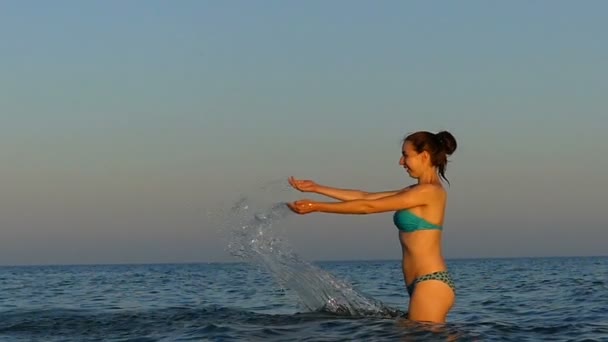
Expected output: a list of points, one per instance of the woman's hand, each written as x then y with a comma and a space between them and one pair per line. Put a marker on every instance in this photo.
303, 206
303, 184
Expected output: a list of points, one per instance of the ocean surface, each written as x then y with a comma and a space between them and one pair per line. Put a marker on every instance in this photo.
541, 299
274, 295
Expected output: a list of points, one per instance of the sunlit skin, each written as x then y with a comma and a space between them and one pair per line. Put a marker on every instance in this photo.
432, 299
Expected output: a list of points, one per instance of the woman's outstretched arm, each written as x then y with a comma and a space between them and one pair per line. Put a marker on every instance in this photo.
340, 194
417, 196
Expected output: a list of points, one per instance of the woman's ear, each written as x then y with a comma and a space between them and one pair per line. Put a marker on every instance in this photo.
426, 157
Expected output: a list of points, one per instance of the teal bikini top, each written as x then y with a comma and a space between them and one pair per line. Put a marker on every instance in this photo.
407, 222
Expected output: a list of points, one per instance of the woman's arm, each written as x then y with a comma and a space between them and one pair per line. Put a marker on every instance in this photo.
340, 194
351, 195
417, 196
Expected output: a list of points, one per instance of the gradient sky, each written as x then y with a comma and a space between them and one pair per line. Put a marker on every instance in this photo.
128, 127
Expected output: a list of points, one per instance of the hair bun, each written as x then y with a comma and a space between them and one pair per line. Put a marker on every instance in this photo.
447, 141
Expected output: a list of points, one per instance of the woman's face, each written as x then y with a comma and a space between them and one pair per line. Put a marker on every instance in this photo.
411, 160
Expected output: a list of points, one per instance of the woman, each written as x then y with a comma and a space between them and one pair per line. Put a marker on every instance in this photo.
419, 214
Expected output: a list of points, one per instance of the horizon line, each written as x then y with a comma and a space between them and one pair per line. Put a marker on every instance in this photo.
310, 261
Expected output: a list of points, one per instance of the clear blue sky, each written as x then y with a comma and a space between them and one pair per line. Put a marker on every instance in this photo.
125, 122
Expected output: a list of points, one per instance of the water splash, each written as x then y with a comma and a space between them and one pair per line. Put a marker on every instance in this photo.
254, 240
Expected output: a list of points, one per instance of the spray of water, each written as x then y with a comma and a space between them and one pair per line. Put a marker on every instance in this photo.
254, 240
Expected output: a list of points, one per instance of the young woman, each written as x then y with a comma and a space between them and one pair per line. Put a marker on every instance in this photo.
419, 214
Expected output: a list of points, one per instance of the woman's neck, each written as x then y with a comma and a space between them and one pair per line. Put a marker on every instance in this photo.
429, 177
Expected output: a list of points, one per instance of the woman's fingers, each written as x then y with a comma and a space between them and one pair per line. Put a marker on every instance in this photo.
294, 207
297, 184
301, 206
293, 181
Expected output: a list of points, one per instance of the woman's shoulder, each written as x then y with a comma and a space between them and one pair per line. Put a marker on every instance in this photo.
427, 188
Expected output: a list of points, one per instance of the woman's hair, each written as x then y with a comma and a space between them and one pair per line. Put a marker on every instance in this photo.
439, 146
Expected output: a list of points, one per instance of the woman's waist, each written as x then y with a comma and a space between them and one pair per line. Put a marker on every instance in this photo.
422, 248
416, 266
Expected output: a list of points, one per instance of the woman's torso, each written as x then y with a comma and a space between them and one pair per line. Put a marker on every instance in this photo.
420, 231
